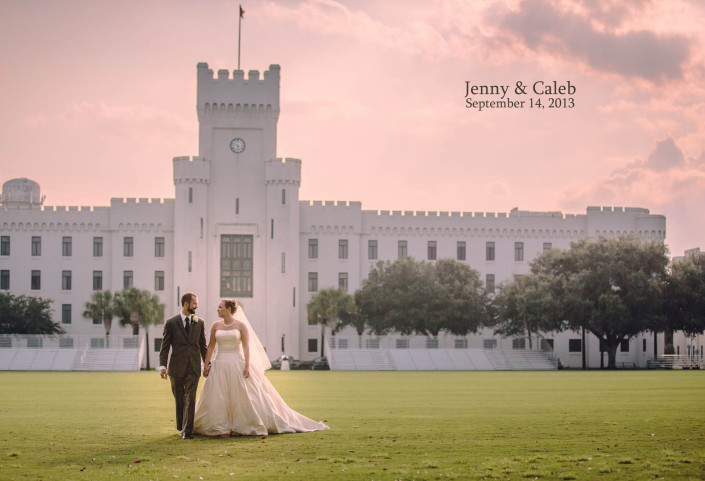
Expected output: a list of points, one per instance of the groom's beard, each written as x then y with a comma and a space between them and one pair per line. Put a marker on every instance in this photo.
191, 311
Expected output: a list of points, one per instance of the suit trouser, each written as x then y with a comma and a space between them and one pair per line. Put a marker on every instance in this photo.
184, 390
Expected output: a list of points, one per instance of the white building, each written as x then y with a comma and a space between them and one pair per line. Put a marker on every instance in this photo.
236, 228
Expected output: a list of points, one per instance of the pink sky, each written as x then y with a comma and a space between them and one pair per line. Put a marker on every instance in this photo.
98, 97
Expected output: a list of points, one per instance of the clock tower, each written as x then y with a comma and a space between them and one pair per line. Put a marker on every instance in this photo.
245, 227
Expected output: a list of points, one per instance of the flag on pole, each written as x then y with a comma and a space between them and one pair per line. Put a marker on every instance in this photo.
239, 29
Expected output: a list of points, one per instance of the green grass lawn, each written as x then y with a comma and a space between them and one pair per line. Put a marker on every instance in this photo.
384, 425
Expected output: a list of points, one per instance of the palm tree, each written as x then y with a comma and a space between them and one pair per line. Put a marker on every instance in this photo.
328, 308
138, 307
101, 309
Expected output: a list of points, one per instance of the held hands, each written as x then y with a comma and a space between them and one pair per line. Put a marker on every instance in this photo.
207, 370
162, 373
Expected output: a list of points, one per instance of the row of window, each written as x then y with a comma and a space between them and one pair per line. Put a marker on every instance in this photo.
237, 200
576, 345
343, 282
67, 246
432, 249
313, 281
67, 277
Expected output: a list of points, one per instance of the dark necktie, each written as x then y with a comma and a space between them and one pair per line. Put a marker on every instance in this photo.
187, 326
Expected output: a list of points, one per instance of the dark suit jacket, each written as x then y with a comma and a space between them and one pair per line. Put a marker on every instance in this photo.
184, 349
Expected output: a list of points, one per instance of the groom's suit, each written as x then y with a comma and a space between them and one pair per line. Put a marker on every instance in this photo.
184, 368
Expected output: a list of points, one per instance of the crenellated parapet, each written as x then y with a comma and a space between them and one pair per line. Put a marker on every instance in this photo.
54, 219
619, 221
282, 171
141, 214
236, 96
329, 217
195, 170
608, 222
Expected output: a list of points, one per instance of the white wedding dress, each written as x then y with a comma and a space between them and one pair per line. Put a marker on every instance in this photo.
232, 404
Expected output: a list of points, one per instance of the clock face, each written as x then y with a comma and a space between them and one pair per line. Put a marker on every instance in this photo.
237, 145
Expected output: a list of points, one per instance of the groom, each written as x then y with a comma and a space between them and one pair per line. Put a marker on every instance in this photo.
185, 335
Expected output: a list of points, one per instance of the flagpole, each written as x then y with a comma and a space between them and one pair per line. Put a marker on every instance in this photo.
239, 29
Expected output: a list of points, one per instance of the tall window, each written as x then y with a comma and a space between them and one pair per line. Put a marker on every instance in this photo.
283, 262
431, 250
547, 246
518, 251
158, 247
402, 249
36, 282
312, 281
5, 245
313, 345
65, 313
489, 283
97, 247
461, 251
283, 196
66, 246
372, 249
36, 245
5, 279
489, 251
236, 265
128, 279
158, 280
189, 261
128, 246
343, 281
66, 280
313, 248
342, 249
190, 195
97, 280
271, 230
624, 345
575, 345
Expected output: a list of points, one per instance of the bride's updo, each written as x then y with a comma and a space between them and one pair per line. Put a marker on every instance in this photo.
230, 304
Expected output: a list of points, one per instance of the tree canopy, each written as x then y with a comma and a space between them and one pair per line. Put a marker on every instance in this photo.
408, 297
685, 296
613, 288
526, 306
26, 315
332, 308
138, 307
100, 309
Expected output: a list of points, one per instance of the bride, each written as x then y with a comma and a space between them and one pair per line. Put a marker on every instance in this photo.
237, 398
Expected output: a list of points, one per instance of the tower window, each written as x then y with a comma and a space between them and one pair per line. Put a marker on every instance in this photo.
236, 265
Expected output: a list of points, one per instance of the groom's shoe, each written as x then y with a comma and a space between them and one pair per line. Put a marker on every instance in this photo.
186, 436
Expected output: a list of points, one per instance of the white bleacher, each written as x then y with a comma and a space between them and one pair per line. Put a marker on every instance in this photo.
15, 355
438, 360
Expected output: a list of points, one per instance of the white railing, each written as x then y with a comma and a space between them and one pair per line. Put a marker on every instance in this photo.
82, 342
395, 341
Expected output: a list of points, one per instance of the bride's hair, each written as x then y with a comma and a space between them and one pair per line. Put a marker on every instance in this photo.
230, 304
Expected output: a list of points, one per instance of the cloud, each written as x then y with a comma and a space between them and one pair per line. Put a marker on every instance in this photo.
497, 188
541, 26
665, 156
663, 178
332, 18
